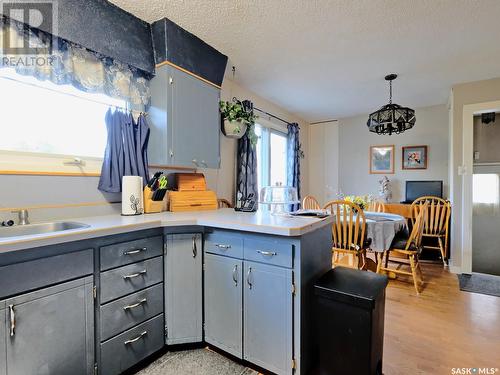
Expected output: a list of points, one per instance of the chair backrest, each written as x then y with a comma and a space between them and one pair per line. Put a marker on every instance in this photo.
376, 206
224, 203
348, 229
310, 203
437, 216
418, 228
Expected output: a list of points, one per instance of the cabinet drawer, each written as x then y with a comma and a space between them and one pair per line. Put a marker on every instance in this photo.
126, 312
224, 244
128, 252
129, 279
132, 346
269, 251
38, 273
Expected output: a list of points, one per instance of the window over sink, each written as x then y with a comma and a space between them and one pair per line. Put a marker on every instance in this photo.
46, 127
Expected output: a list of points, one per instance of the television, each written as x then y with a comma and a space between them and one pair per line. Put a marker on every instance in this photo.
417, 189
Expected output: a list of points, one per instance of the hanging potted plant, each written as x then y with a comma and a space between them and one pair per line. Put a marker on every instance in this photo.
237, 120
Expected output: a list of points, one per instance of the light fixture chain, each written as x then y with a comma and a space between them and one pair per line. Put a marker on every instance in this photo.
390, 92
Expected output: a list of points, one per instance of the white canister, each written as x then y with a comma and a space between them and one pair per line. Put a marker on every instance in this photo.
132, 200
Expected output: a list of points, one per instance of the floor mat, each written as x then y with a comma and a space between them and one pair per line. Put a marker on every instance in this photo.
195, 362
480, 283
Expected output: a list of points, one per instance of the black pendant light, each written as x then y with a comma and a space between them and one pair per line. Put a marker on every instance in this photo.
391, 118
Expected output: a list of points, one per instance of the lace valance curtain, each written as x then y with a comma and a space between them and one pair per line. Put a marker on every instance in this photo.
69, 63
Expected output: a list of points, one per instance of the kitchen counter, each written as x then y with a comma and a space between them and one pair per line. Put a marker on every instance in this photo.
257, 222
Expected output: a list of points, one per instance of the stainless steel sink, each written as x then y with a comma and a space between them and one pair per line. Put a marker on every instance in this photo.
42, 228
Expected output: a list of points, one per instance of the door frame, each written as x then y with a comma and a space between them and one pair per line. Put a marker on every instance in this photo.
467, 171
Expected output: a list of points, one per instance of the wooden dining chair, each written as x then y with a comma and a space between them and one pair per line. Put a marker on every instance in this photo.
405, 252
376, 206
224, 203
348, 234
436, 222
310, 203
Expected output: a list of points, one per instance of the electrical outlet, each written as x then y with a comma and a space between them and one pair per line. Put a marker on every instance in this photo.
476, 155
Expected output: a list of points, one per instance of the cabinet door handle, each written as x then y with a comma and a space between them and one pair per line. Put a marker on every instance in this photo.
140, 273
249, 273
135, 251
267, 253
195, 248
131, 341
12, 314
235, 275
223, 247
134, 305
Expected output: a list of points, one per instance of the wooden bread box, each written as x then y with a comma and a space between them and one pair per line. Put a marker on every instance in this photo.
192, 194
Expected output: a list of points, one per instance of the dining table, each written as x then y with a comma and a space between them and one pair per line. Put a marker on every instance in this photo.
381, 228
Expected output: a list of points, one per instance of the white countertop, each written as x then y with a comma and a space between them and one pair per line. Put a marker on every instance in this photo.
257, 222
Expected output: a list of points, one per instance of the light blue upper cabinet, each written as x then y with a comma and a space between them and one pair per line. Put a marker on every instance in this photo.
185, 120
267, 317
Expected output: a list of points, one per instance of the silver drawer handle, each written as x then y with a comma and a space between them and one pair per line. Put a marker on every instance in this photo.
135, 251
220, 246
267, 253
248, 278
235, 275
139, 303
12, 320
131, 341
143, 272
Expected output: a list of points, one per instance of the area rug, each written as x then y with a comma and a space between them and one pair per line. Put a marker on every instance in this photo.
195, 362
480, 283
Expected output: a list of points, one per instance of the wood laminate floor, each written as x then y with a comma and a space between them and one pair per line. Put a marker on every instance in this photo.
442, 329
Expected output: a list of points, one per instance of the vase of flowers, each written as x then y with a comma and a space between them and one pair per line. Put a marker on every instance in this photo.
363, 201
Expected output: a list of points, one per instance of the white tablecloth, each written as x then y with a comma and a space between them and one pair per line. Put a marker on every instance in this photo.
382, 228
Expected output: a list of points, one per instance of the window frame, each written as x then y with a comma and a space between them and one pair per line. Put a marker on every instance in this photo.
264, 178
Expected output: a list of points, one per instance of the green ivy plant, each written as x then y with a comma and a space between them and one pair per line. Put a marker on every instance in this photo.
234, 111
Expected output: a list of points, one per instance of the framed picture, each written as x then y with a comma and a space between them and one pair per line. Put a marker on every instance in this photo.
414, 157
382, 159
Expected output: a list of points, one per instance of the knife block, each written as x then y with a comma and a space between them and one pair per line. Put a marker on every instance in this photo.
151, 206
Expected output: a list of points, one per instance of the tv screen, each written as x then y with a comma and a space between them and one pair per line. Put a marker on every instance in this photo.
417, 189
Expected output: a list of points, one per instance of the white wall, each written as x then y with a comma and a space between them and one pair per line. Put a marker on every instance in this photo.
431, 129
324, 161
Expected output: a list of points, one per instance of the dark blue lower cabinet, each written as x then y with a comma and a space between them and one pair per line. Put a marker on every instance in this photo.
267, 317
49, 331
224, 303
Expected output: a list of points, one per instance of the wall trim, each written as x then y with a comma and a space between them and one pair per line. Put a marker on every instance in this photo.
166, 62
57, 206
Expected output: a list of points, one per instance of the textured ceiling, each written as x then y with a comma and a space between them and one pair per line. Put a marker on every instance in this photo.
324, 59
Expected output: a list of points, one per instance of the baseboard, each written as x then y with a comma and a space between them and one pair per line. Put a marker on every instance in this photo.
455, 269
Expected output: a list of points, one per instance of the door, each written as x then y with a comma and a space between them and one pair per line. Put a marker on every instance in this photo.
3, 349
223, 303
51, 331
196, 122
267, 317
183, 289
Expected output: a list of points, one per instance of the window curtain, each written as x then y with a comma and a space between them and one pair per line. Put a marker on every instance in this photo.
67, 63
246, 178
293, 165
126, 150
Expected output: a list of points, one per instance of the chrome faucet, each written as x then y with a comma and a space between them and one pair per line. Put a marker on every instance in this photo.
23, 217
